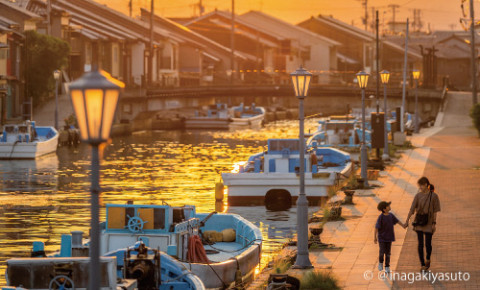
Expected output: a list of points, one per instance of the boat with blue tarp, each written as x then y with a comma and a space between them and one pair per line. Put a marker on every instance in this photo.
232, 245
151, 247
272, 177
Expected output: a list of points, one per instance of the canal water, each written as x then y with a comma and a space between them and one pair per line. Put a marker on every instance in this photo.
45, 198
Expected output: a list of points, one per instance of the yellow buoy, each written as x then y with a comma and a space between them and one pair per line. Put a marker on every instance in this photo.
219, 191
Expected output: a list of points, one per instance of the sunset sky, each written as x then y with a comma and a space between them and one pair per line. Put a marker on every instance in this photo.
441, 14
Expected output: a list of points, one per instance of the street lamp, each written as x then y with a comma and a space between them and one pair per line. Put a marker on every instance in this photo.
94, 97
416, 76
362, 78
301, 83
56, 76
385, 76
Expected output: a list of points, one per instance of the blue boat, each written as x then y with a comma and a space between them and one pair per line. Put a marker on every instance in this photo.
233, 244
135, 267
27, 141
153, 247
271, 178
339, 131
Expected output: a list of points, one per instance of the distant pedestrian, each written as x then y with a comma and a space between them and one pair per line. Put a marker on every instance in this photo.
426, 204
386, 234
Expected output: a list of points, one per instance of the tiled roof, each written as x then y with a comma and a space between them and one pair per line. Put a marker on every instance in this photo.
273, 25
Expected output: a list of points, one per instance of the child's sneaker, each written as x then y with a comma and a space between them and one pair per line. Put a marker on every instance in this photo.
387, 269
380, 267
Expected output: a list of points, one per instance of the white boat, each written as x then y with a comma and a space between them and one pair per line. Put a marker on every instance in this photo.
219, 116
247, 117
272, 177
27, 141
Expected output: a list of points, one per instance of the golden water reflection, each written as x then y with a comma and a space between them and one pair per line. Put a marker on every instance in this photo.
43, 199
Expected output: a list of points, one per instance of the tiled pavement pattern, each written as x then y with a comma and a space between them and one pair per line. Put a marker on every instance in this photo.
454, 168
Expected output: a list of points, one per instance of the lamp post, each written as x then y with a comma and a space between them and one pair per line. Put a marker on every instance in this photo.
416, 76
301, 83
94, 98
362, 78
385, 76
56, 76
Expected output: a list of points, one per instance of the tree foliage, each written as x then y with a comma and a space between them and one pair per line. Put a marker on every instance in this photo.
44, 55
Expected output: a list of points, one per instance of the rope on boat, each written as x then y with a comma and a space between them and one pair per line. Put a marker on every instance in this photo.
13, 148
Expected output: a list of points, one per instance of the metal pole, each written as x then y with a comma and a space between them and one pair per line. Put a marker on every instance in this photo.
94, 226
232, 44
363, 149
377, 73
49, 17
150, 50
377, 63
303, 260
404, 92
385, 131
56, 104
474, 56
416, 106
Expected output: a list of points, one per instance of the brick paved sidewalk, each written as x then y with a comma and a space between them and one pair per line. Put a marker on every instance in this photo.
454, 168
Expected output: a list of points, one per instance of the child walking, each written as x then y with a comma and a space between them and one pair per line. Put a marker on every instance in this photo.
386, 234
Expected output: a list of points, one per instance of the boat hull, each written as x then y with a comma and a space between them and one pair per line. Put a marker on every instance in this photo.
252, 188
206, 123
254, 122
218, 274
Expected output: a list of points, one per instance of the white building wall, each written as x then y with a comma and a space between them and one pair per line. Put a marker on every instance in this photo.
137, 62
319, 62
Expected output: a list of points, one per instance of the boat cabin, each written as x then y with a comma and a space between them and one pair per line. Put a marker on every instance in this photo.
218, 110
283, 156
158, 226
25, 133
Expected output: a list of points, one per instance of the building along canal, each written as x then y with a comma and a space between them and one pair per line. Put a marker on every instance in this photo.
45, 198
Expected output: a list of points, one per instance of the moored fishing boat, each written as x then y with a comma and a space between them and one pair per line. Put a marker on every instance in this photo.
27, 141
219, 116
170, 238
135, 267
271, 177
247, 117
233, 244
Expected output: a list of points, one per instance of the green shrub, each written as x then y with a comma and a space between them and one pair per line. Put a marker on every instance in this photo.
475, 115
44, 55
319, 280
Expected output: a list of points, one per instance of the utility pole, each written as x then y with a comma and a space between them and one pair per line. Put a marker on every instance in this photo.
150, 54
366, 14
394, 8
130, 8
377, 60
405, 67
232, 45
474, 55
201, 9
377, 73
49, 15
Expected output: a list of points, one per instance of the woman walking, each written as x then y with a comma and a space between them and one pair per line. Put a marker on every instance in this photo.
426, 204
